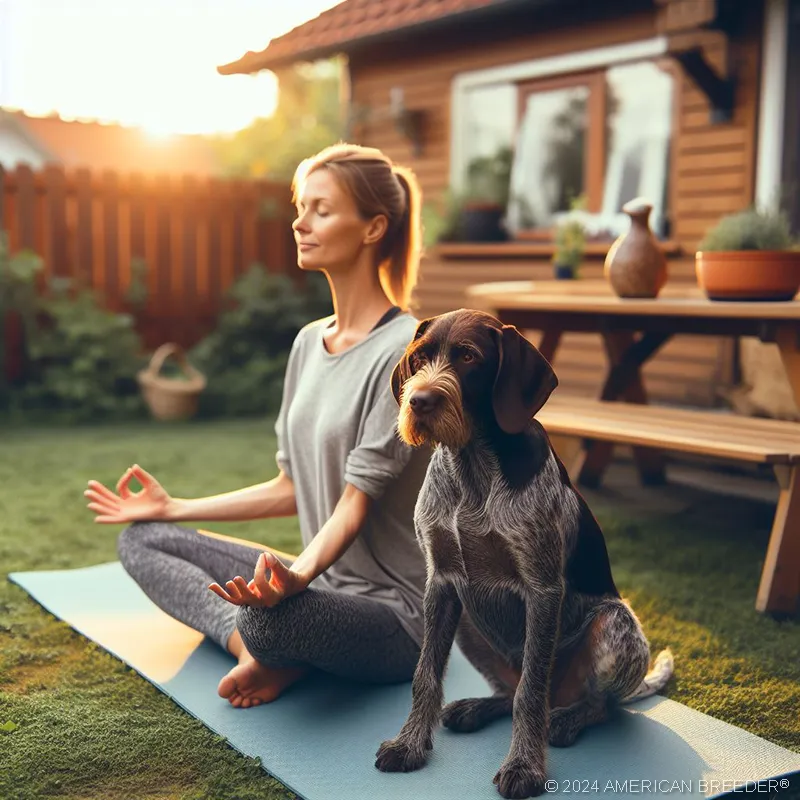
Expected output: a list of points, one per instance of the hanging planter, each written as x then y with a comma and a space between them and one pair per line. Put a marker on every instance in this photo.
171, 398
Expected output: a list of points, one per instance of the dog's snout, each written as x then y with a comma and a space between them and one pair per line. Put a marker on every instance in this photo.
423, 402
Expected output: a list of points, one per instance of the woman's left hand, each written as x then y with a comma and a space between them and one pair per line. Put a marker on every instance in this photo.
262, 592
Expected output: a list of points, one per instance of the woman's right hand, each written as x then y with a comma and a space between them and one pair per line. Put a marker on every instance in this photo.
151, 503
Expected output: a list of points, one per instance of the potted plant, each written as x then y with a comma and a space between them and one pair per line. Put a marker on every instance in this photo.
749, 256
485, 198
570, 242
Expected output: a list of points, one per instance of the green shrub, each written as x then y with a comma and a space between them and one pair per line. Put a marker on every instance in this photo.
17, 297
244, 359
81, 361
750, 230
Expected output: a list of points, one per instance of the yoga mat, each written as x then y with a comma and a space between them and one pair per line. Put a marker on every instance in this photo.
320, 738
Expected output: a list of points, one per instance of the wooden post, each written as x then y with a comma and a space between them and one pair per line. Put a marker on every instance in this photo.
112, 285
56, 243
83, 272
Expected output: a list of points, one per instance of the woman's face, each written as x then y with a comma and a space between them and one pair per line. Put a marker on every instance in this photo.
329, 232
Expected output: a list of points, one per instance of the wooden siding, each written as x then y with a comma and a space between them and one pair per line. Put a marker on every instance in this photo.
712, 173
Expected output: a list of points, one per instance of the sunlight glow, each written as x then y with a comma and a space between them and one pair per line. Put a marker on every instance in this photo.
146, 62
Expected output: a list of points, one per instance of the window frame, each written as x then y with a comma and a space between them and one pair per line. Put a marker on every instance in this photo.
594, 166
586, 67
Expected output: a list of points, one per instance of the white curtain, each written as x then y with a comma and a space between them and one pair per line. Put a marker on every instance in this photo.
640, 133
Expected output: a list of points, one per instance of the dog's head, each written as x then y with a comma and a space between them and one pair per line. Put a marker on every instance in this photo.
466, 370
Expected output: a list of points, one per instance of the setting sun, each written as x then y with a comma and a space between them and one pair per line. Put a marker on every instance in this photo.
145, 63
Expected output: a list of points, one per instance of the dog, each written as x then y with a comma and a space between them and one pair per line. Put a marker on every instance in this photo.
517, 567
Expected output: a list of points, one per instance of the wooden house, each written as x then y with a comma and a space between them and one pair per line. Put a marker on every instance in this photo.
692, 103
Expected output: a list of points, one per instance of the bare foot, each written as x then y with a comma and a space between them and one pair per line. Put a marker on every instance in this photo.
250, 684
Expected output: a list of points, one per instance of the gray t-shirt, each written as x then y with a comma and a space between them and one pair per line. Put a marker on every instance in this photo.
337, 425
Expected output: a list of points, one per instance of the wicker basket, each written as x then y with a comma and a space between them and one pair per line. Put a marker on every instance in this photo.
171, 398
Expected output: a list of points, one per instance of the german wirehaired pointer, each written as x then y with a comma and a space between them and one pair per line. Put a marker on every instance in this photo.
518, 572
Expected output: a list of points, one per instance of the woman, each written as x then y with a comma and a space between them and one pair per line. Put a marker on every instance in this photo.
351, 603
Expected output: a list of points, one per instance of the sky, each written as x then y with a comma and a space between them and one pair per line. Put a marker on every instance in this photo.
150, 63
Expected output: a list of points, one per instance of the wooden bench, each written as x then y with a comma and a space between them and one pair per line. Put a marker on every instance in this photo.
707, 433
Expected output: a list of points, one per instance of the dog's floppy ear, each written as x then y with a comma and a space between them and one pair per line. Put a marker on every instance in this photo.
402, 371
523, 382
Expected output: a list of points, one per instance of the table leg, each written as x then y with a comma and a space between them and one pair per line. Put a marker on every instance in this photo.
786, 338
626, 354
548, 344
779, 588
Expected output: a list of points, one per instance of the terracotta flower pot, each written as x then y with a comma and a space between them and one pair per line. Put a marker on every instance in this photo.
748, 274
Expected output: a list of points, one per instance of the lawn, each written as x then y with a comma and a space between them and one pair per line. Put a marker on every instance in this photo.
85, 724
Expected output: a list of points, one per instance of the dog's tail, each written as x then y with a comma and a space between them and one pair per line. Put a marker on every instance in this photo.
655, 680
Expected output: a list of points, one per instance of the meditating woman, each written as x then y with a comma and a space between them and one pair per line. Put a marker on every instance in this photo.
351, 603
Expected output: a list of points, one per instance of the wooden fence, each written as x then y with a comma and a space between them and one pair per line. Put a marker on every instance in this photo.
194, 235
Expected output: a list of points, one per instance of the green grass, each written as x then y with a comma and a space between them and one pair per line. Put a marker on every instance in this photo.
86, 725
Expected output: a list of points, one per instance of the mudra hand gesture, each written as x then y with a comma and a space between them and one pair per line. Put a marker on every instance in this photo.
262, 591
151, 503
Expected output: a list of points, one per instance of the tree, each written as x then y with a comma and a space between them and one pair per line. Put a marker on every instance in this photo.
309, 115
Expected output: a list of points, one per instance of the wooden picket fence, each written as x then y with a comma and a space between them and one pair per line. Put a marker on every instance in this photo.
194, 235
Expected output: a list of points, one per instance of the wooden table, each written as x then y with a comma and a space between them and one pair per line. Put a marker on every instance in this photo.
633, 331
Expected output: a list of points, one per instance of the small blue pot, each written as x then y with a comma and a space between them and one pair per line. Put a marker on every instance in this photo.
563, 272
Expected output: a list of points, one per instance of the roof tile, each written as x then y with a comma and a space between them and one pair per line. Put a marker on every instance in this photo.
349, 22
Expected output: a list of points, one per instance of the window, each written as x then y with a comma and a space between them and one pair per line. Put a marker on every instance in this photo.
558, 151
489, 115
601, 134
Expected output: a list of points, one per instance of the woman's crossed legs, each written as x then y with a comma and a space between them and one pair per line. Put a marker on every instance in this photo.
345, 635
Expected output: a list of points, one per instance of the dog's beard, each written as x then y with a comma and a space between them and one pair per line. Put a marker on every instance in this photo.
446, 425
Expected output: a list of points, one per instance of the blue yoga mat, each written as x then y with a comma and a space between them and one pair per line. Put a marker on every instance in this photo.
320, 738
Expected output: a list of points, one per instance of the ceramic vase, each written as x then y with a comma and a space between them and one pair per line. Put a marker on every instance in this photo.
636, 265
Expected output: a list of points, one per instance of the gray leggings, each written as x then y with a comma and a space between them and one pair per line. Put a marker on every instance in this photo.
352, 637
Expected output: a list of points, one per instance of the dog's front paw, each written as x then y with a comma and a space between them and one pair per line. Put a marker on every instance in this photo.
518, 779
401, 755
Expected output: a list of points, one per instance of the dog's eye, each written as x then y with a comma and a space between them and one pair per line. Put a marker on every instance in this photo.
467, 357
418, 360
